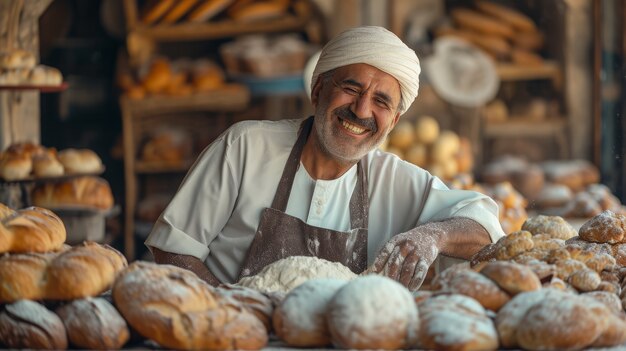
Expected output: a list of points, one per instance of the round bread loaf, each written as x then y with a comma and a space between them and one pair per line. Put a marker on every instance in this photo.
607, 227
32, 229
93, 323
479, 287
455, 322
175, 308
372, 312
22, 276
26, 324
607, 298
300, 320
426, 130
554, 226
511, 277
80, 161
15, 167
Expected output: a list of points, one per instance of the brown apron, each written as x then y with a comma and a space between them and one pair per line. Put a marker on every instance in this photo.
280, 235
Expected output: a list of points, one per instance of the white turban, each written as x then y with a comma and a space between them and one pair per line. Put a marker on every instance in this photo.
375, 46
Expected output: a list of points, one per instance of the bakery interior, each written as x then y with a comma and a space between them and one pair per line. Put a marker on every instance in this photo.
106, 104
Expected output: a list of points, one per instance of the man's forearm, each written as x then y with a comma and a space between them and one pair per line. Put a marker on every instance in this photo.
458, 237
187, 262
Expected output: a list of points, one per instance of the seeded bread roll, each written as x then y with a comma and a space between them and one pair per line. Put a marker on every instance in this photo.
93, 323
26, 324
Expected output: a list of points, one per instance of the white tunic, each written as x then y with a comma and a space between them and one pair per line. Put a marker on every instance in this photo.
216, 211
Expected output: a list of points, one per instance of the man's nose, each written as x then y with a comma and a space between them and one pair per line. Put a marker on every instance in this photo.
362, 106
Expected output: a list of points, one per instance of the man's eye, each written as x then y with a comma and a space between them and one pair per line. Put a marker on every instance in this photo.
382, 103
350, 90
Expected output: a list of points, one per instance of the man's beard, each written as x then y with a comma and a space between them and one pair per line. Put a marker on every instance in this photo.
336, 145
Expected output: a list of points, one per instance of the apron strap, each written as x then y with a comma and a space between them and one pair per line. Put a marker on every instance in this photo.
359, 202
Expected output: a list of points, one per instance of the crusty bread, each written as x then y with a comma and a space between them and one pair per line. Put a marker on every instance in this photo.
607, 227
175, 308
554, 226
80, 161
26, 324
82, 271
84, 191
257, 302
32, 229
511, 277
47, 165
15, 167
93, 323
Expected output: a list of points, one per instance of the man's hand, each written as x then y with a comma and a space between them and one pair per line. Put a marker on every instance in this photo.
407, 256
187, 262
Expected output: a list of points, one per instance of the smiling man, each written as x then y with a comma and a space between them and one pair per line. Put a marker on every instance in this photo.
318, 186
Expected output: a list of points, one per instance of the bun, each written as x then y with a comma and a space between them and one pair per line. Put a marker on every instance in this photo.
175, 308
28, 325
88, 191
554, 226
300, 319
32, 229
372, 312
158, 76
607, 227
511, 277
82, 271
455, 322
17, 59
478, 287
93, 323
47, 165
45, 75
207, 10
80, 161
15, 167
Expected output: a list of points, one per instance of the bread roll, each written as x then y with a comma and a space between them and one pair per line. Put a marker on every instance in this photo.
45, 75
554, 226
478, 287
93, 323
515, 18
85, 191
175, 308
76, 161
257, 302
15, 167
511, 277
85, 270
23, 276
47, 165
455, 322
17, 59
371, 312
426, 130
158, 77
607, 227
476, 21
402, 135
26, 324
300, 319
32, 229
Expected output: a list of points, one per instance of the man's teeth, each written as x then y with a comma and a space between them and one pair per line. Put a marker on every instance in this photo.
352, 127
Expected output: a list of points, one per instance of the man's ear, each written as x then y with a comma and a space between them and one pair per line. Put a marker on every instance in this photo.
316, 91
395, 120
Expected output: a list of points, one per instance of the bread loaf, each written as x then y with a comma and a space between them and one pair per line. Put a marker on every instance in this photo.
511, 277
479, 22
15, 167
80, 161
372, 312
607, 227
84, 191
93, 323
300, 320
32, 229
47, 165
554, 226
82, 271
515, 18
257, 302
26, 324
17, 59
175, 308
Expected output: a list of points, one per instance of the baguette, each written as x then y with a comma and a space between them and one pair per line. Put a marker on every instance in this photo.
208, 9
82, 271
470, 19
517, 19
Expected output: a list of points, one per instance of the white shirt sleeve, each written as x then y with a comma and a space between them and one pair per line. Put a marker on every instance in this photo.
201, 207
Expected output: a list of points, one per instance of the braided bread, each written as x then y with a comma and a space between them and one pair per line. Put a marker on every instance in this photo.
82, 271
33, 229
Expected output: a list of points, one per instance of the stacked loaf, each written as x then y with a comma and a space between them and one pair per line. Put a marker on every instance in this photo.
23, 160
19, 67
32, 229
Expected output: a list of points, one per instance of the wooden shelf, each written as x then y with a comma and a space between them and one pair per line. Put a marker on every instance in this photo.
524, 127
152, 168
512, 72
41, 88
223, 29
233, 97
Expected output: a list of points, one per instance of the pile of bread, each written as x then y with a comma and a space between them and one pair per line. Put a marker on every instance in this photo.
29, 160
19, 67
182, 77
566, 188
265, 56
442, 152
502, 32
167, 12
